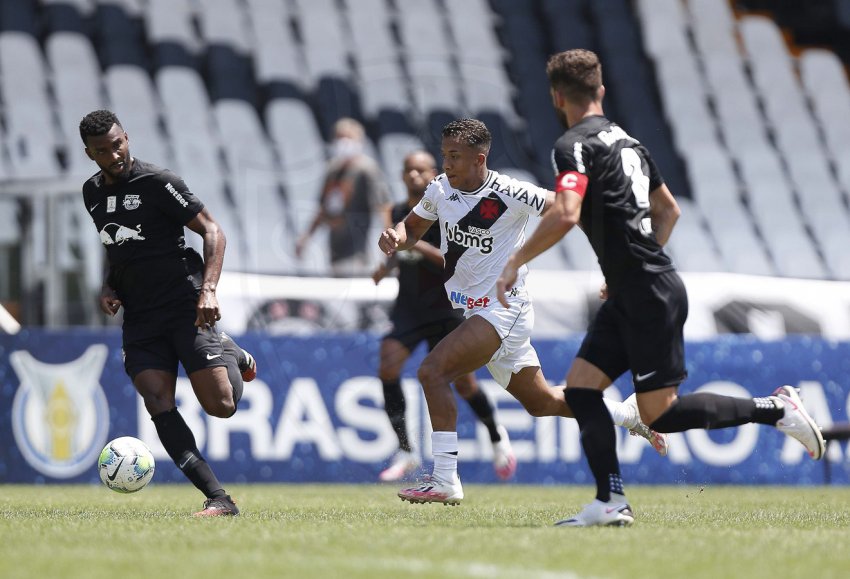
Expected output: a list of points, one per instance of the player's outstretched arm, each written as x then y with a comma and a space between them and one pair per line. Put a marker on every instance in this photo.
214, 243
556, 222
664, 212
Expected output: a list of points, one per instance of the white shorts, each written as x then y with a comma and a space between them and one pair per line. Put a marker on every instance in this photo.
514, 328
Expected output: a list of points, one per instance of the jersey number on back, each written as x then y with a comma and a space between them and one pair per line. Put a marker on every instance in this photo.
633, 168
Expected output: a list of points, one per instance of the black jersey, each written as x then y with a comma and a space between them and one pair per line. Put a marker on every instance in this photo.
618, 174
141, 222
421, 294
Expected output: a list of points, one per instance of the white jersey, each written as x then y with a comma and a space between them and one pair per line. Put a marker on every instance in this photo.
479, 232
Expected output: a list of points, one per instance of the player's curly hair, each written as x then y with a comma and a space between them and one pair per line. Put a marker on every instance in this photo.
470, 131
97, 123
576, 74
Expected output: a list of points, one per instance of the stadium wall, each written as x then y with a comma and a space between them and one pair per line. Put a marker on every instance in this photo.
314, 414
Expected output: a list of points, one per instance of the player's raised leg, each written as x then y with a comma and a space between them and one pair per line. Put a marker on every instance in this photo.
217, 368
464, 350
783, 410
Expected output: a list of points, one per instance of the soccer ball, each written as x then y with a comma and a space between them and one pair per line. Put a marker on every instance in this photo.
126, 465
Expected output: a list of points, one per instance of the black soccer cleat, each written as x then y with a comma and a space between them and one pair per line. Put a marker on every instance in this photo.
222, 506
248, 367
247, 363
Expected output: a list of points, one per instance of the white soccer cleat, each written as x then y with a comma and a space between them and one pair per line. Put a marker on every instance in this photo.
614, 513
504, 461
658, 440
797, 423
432, 490
402, 464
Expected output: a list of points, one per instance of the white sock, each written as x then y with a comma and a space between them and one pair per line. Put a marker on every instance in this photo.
444, 447
624, 415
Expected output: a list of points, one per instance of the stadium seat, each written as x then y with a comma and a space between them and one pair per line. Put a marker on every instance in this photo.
294, 133
76, 81
68, 15
278, 66
691, 246
825, 82
567, 25
30, 135
169, 27
255, 189
120, 33
713, 24
393, 148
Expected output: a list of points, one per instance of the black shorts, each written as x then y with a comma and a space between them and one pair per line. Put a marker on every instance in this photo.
411, 332
160, 345
641, 329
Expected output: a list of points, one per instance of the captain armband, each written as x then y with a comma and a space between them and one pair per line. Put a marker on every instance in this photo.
571, 181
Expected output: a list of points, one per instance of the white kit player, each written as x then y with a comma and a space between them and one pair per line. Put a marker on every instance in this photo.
482, 217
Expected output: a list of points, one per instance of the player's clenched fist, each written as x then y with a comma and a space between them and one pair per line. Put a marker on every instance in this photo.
388, 242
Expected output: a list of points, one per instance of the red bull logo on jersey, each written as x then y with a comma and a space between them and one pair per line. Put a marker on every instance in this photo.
473, 237
113, 233
469, 302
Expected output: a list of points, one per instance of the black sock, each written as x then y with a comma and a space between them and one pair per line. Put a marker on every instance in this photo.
709, 411
480, 404
598, 439
179, 443
235, 359
395, 407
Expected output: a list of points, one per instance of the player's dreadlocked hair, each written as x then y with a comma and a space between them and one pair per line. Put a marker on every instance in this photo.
97, 123
471, 132
576, 74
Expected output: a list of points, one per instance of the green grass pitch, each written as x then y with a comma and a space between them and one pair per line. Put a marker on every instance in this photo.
364, 531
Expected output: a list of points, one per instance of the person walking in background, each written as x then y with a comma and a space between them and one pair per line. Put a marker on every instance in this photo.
607, 182
353, 191
422, 313
482, 217
168, 293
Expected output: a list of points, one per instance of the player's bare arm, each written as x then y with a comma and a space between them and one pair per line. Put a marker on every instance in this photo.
558, 220
664, 212
550, 200
214, 243
404, 235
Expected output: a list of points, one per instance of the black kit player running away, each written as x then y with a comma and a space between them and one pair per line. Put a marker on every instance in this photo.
167, 291
607, 182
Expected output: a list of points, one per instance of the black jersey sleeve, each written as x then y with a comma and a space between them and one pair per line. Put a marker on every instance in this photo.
569, 155
176, 200
571, 160
655, 178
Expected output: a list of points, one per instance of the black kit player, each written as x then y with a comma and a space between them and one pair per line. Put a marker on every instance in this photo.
422, 313
608, 184
168, 294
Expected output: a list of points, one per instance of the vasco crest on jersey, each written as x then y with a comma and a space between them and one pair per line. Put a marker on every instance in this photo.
490, 209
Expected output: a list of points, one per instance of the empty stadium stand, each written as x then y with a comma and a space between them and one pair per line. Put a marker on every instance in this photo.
749, 130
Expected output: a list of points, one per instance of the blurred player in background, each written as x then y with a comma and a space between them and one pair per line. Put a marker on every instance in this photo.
608, 184
422, 312
168, 294
482, 217
353, 190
